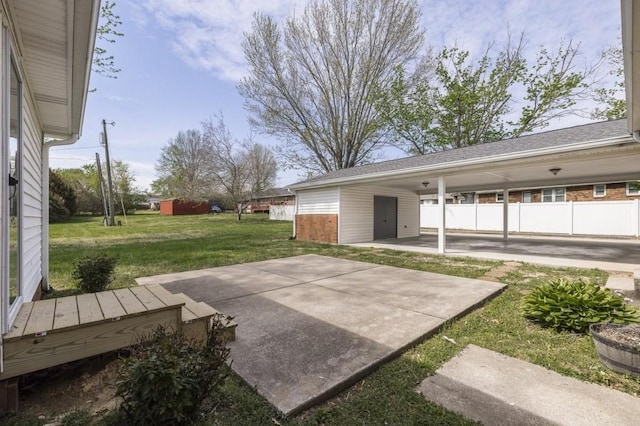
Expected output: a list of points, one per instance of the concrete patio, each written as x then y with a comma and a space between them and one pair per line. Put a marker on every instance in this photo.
621, 255
310, 326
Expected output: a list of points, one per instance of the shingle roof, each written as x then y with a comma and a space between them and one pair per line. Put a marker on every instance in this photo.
552, 138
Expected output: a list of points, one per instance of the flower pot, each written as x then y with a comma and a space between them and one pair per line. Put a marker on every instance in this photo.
617, 355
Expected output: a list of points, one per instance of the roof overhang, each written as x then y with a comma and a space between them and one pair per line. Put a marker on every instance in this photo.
630, 12
55, 42
605, 160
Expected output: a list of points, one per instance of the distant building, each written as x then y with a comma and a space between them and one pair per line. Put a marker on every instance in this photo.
174, 207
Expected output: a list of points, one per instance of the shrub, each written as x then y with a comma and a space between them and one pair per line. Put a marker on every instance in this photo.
574, 305
167, 377
94, 273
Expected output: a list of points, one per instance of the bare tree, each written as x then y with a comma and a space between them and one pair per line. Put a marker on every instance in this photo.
311, 84
240, 169
184, 169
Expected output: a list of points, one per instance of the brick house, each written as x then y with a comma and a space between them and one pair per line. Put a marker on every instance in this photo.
611, 191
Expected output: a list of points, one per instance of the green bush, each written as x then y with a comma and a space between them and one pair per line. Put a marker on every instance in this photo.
94, 273
168, 377
574, 305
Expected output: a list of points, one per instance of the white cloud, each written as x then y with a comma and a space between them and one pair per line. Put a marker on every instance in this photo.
208, 34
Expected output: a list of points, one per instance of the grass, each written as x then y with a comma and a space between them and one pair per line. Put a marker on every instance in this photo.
152, 244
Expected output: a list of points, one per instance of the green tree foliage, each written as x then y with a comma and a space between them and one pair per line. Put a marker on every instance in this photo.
453, 101
107, 34
240, 169
310, 81
184, 169
86, 185
62, 198
613, 96
127, 195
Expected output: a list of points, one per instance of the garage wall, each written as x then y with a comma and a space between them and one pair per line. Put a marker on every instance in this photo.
356, 212
318, 201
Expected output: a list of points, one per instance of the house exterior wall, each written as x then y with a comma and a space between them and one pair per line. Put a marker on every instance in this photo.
616, 191
356, 212
318, 201
32, 209
320, 228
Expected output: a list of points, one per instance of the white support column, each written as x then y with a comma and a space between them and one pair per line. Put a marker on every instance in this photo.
442, 210
505, 214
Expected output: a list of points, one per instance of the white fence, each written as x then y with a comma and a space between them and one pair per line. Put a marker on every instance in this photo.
281, 212
604, 218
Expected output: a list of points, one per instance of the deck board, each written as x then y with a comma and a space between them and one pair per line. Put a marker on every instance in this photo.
110, 306
163, 294
148, 299
89, 308
66, 314
129, 301
41, 318
17, 329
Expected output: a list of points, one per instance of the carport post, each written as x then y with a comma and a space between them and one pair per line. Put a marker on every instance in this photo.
505, 214
442, 214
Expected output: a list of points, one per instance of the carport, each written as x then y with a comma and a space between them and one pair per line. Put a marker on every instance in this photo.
586, 154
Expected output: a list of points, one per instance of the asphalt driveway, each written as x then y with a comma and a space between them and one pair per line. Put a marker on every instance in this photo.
310, 326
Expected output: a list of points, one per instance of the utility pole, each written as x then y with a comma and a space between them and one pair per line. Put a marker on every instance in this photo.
105, 140
103, 193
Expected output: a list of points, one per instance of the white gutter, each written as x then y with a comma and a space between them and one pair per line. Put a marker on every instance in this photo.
45, 204
295, 211
607, 142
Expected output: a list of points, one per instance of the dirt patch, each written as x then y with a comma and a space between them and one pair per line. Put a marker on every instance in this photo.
500, 271
628, 334
82, 385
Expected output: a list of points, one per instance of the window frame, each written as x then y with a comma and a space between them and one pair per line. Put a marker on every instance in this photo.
499, 197
632, 191
595, 190
554, 195
530, 197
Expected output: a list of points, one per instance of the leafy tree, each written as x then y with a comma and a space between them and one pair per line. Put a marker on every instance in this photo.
126, 193
613, 97
107, 33
184, 169
460, 102
311, 82
85, 183
241, 169
62, 199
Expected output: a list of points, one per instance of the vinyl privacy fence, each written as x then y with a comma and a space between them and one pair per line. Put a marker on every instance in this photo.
602, 218
281, 212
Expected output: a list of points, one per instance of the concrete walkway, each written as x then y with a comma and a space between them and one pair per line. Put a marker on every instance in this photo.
495, 389
606, 254
310, 326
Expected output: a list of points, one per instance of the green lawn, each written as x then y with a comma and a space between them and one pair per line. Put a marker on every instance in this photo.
150, 244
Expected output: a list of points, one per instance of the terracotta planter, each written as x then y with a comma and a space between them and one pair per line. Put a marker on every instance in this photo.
618, 356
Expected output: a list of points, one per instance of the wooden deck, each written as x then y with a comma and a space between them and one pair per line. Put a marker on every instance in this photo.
55, 331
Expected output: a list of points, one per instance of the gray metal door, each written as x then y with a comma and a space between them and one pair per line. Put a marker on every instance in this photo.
385, 215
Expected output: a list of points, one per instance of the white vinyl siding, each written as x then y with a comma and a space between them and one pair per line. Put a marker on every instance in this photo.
356, 212
318, 201
32, 200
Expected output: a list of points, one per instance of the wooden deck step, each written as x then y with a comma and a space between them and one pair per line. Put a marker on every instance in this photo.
196, 316
50, 332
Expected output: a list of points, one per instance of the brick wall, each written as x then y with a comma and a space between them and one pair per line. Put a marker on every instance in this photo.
321, 228
614, 192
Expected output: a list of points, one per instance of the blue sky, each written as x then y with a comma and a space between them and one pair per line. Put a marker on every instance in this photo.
181, 61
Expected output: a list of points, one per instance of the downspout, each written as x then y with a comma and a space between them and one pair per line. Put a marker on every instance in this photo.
295, 212
45, 204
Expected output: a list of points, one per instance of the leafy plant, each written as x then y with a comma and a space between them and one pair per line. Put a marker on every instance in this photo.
94, 272
574, 305
167, 377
